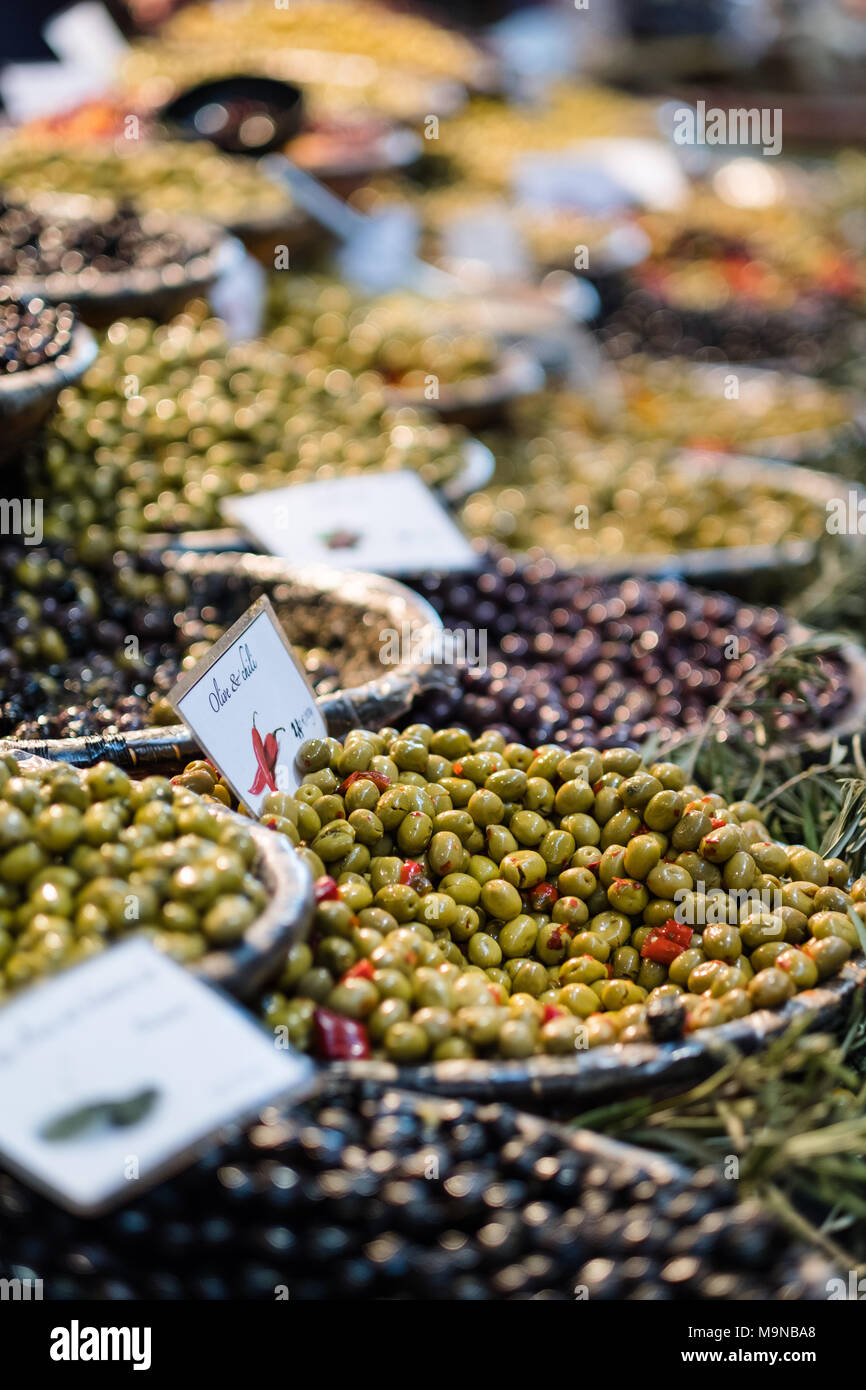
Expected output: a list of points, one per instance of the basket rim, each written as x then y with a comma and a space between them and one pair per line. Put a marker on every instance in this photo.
19, 391
352, 706
616, 1068
245, 967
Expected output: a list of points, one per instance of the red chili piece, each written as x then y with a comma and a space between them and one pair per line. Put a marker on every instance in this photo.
542, 896
339, 1039
411, 872
361, 970
378, 778
664, 944
326, 889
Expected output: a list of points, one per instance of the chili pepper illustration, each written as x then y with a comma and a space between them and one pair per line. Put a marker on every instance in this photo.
265, 751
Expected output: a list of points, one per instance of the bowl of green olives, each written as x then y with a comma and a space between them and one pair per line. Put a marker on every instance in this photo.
481, 399
475, 468
200, 418
495, 919
369, 646
703, 514
88, 857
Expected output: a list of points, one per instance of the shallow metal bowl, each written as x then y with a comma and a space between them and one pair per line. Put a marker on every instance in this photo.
27, 398
722, 565
245, 968
373, 702
139, 292
620, 1069
479, 399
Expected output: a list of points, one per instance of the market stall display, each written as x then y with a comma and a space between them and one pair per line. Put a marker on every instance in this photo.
202, 418
412, 347
307, 875
723, 284
105, 260
168, 176
349, 58
486, 140
44, 349
509, 901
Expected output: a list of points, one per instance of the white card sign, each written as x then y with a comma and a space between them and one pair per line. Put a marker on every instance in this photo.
387, 522
250, 706
87, 36
118, 1071
602, 177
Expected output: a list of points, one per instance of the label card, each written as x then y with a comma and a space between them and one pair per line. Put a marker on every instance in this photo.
122, 1070
387, 522
250, 706
87, 36
602, 177
238, 298
31, 91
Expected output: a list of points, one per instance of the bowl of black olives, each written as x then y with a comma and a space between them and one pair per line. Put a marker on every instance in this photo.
43, 348
109, 260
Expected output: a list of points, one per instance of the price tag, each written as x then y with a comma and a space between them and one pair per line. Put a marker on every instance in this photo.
238, 298
118, 1072
487, 235
601, 178
31, 91
87, 36
250, 706
387, 522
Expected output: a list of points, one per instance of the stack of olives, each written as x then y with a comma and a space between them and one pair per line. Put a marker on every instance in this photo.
32, 332
486, 140
409, 41
197, 418
92, 644
31, 244
584, 499
169, 176
396, 1195
400, 340
483, 899
89, 856
572, 658
592, 488
723, 284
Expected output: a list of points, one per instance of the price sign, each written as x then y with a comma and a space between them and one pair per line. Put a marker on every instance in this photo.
250, 705
115, 1073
